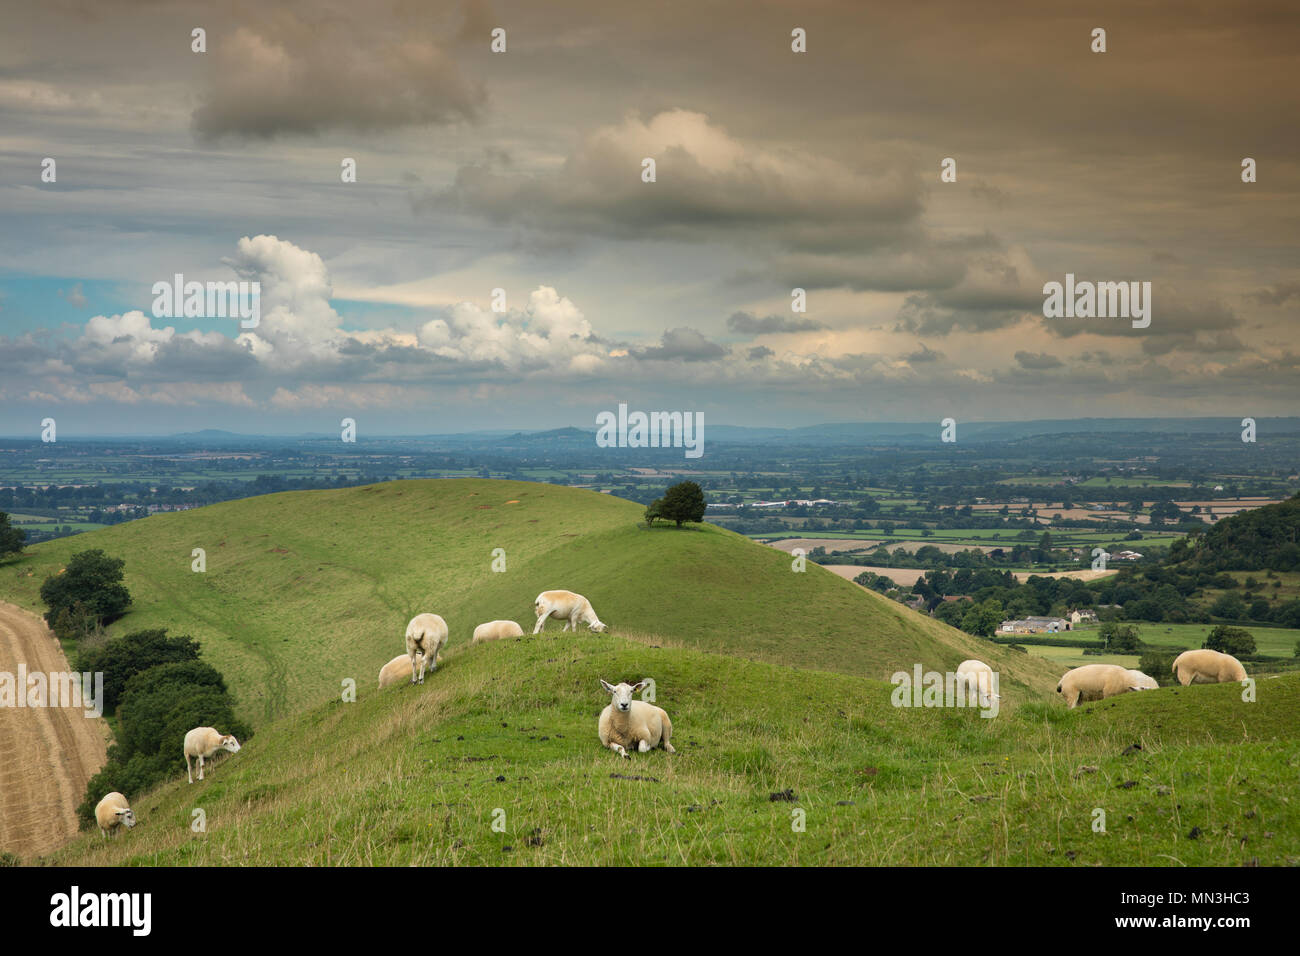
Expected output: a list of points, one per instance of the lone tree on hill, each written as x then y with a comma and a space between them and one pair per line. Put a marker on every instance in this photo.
684, 501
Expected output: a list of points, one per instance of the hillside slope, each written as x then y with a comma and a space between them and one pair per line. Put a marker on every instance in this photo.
774, 766
306, 589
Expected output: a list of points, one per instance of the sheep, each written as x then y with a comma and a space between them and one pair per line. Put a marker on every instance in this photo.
204, 743
982, 677
113, 812
1143, 682
1207, 667
394, 671
425, 636
496, 630
633, 723
1095, 682
568, 607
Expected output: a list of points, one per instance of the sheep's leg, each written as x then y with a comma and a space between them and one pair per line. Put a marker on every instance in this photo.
643, 745
200, 766
618, 749
189, 770
541, 619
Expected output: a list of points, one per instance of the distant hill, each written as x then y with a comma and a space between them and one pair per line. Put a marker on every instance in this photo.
1265, 538
304, 589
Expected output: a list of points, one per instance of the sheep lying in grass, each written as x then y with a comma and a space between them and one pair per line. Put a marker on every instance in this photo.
496, 630
113, 812
568, 607
633, 723
204, 743
1143, 682
1207, 667
395, 671
425, 636
1095, 682
979, 675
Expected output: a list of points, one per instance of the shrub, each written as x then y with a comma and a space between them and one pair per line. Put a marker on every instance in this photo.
122, 658
1231, 640
93, 579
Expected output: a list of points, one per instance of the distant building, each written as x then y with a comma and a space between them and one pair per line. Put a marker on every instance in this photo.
1128, 556
1035, 625
1084, 616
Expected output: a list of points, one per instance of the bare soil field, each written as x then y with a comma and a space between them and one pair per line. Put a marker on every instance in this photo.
47, 754
906, 577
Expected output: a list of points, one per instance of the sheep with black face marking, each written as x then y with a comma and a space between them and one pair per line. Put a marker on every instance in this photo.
496, 631
632, 723
204, 743
425, 636
112, 813
1207, 667
1095, 682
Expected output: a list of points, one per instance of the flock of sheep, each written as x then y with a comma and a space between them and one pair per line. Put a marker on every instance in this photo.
1099, 681
625, 723
634, 724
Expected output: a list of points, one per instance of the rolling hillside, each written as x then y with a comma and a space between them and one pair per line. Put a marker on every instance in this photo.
505, 733
305, 589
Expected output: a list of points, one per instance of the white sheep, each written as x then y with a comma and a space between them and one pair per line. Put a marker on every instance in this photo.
568, 607
425, 636
395, 671
1095, 682
980, 675
633, 723
1207, 667
1143, 682
113, 812
496, 630
204, 743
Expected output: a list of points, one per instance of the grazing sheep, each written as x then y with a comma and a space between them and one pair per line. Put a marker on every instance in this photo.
496, 630
568, 607
982, 677
1143, 682
633, 723
113, 812
204, 743
1095, 682
425, 636
395, 671
1207, 667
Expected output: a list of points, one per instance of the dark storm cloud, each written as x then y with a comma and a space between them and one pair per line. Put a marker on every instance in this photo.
746, 323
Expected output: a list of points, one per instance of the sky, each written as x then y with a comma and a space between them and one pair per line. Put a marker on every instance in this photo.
522, 170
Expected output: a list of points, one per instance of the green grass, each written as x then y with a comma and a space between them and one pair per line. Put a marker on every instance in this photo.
304, 589
774, 681
1270, 641
506, 731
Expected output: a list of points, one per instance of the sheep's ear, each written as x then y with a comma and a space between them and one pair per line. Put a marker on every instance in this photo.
638, 686
608, 688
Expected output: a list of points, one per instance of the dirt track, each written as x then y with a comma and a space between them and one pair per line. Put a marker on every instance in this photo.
47, 754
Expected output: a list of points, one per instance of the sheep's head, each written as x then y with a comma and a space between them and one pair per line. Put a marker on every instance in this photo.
229, 742
126, 817
622, 694
597, 627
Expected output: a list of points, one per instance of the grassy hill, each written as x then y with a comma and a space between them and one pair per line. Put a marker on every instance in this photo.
506, 732
305, 589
